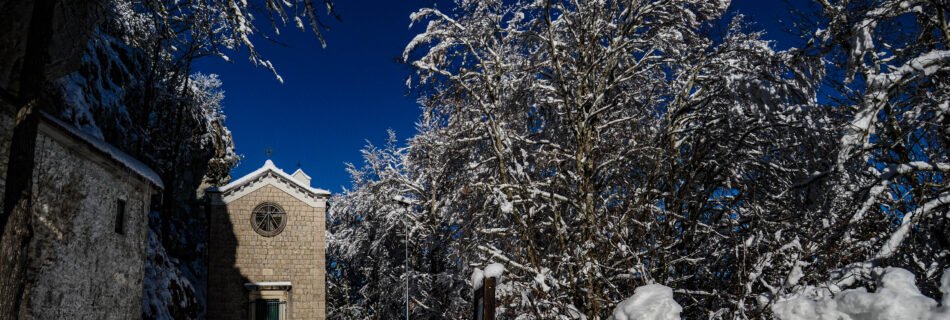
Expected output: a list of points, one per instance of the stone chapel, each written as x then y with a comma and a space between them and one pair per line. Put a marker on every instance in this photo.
267, 247
86, 252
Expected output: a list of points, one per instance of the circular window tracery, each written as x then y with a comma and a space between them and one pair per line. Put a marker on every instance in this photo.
268, 219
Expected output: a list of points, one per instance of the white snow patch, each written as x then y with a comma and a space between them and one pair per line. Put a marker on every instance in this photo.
494, 270
795, 275
649, 302
897, 298
945, 289
165, 286
507, 207
539, 279
478, 276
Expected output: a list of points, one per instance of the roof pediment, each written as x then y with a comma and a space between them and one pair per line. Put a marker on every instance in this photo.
269, 174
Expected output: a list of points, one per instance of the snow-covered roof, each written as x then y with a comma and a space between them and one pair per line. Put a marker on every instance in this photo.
269, 167
109, 150
299, 171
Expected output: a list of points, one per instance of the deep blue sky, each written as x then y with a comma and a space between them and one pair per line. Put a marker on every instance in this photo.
335, 99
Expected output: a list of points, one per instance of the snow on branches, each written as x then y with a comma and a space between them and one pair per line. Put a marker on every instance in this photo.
197, 28
604, 144
594, 147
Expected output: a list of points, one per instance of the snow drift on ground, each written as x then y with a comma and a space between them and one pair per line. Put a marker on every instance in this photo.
649, 302
168, 293
897, 298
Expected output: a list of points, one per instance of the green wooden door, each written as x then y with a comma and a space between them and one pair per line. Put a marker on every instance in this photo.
267, 309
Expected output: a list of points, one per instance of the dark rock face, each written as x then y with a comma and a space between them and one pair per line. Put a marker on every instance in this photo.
72, 24
13, 41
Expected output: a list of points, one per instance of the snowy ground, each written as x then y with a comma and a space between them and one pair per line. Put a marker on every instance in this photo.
897, 298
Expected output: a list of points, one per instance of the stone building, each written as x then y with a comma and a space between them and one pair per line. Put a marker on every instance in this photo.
89, 221
267, 250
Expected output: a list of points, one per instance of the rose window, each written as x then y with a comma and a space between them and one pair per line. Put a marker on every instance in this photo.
268, 219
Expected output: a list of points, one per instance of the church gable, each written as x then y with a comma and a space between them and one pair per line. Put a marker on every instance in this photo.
267, 247
296, 185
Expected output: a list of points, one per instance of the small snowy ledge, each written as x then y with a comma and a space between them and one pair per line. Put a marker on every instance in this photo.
897, 298
649, 302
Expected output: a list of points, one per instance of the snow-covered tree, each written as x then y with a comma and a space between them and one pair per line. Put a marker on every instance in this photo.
373, 264
888, 81
594, 147
366, 241
209, 97
184, 30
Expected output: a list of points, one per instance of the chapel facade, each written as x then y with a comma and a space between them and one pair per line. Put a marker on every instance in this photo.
267, 247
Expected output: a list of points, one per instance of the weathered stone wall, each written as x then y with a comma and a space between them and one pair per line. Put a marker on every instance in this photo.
80, 267
239, 255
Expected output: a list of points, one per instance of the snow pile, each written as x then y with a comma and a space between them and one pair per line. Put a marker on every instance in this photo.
649, 302
494, 270
897, 298
168, 293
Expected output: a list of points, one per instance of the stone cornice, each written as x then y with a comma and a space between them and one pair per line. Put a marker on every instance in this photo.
272, 179
273, 176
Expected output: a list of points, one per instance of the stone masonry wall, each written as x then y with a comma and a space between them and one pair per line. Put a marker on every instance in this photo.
82, 268
239, 255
